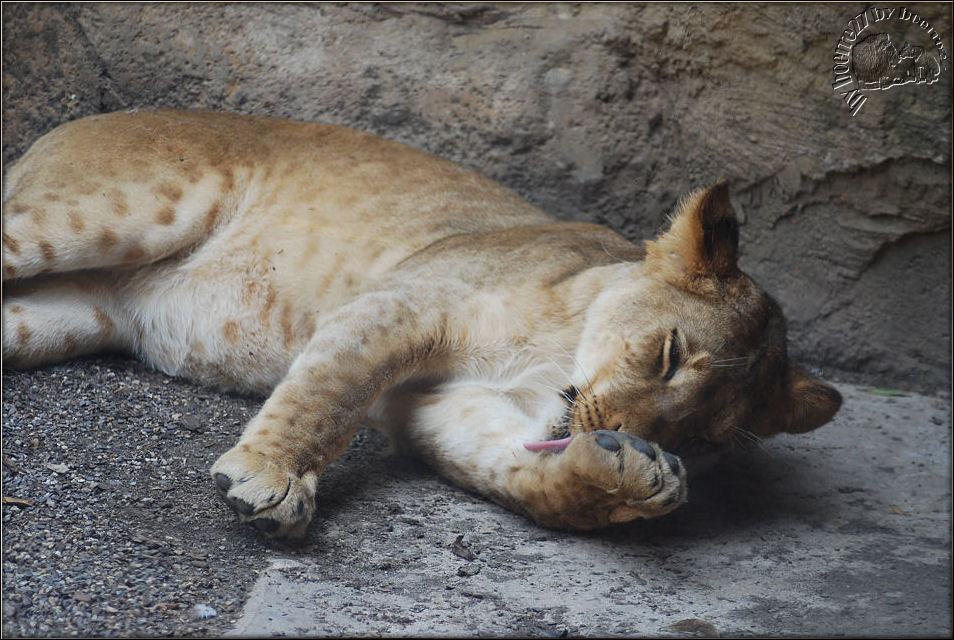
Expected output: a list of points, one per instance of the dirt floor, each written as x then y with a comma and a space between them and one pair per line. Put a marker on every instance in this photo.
111, 528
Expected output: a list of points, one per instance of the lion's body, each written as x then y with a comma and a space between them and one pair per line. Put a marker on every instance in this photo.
272, 226
355, 278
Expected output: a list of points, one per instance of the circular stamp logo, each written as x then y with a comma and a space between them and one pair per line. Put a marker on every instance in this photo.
882, 48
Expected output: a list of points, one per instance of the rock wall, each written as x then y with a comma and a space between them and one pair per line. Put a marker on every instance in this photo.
604, 112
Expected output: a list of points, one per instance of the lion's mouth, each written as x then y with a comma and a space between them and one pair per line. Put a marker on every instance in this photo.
560, 435
693, 449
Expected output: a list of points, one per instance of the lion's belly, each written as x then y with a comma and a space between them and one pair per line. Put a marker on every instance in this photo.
237, 311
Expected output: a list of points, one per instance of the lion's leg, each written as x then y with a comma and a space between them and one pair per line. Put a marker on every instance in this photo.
476, 437
47, 320
271, 475
63, 214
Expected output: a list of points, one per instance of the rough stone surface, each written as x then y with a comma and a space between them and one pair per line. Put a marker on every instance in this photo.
605, 112
118, 533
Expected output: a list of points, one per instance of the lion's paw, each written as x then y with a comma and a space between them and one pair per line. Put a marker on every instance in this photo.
628, 476
264, 493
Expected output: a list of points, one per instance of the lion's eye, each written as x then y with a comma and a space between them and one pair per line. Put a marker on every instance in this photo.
671, 355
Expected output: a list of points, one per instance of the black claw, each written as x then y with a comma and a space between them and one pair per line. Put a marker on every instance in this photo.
245, 508
672, 461
301, 508
608, 440
268, 525
223, 482
643, 447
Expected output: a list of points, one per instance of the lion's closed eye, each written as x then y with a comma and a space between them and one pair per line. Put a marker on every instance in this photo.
671, 355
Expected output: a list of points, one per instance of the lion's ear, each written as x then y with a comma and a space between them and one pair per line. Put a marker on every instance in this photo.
703, 239
810, 402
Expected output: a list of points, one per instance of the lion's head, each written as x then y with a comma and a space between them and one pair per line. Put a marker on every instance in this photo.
688, 350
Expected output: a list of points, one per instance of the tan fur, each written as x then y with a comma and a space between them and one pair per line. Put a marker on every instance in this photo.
351, 278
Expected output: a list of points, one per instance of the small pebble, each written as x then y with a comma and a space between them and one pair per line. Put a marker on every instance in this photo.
203, 611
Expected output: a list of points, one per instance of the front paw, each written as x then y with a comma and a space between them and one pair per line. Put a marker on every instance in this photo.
608, 476
262, 491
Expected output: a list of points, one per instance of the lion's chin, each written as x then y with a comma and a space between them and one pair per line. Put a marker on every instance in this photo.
701, 455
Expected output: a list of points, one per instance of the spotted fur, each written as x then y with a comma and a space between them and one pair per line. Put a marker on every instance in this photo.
552, 366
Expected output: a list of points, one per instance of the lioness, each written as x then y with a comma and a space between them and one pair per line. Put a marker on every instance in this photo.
554, 367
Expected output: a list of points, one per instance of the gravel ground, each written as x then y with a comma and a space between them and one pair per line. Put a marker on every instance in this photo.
120, 534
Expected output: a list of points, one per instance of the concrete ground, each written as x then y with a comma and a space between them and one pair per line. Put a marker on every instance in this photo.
842, 532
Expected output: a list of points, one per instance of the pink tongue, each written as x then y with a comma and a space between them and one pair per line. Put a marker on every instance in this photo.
548, 445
